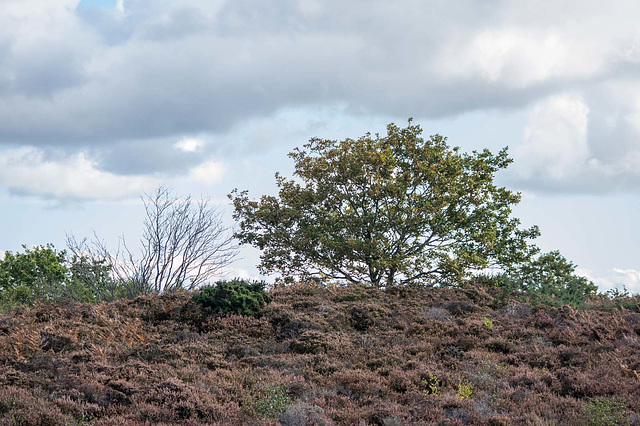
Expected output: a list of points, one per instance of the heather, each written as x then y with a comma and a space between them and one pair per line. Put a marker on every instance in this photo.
323, 355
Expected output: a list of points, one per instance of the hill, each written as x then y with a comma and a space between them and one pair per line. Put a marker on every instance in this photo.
349, 355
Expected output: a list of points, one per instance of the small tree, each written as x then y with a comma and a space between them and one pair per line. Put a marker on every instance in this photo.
39, 273
384, 210
44, 274
551, 279
184, 243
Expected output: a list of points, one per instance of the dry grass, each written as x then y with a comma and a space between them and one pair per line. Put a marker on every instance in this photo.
320, 357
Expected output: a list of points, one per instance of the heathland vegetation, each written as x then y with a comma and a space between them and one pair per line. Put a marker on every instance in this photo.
406, 294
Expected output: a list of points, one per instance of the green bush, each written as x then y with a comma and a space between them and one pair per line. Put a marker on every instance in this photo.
269, 401
238, 296
36, 274
43, 274
465, 389
431, 384
548, 279
601, 412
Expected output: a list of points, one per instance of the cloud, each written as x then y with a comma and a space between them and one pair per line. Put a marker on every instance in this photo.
185, 67
32, 171
615, 278
209, 172
630, 278
189, 144
28, 171
144, 74
572, 144
167, 156
517, 58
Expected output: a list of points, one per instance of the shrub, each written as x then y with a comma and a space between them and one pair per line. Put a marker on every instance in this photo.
310, 342
43, 274
36, 274
465, 389
487, 323
549, 279
601, 412
236, 296
270, 401
431, 384
361, 318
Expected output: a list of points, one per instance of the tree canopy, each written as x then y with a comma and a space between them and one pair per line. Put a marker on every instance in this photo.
44, 274
385, 210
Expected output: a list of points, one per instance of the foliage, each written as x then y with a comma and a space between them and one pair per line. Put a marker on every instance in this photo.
310, 342
44, 274
487, 323
605, 412
236, 296
385, 210
91, 280
465, 389
431, 384
270, 401
37, 273
616, 293
159, 365
549, 279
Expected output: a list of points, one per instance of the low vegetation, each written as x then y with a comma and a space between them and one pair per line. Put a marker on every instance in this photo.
236, 296
323, 355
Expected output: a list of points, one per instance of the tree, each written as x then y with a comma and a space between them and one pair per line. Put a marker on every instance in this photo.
384, 210
184, 243
551, 279
37, 274
92, 280
44, 274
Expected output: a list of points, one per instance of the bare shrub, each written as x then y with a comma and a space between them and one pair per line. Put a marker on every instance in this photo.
184, 244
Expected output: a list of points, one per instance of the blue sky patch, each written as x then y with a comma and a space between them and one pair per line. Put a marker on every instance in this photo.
98, 3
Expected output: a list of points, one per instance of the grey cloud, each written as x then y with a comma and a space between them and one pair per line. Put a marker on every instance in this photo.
164, 69
176, 83
144, 157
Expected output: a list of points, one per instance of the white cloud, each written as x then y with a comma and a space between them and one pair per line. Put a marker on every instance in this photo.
27, 170
614, 278
74, 79
192, 67
189, 144
568, 147
555, 139
208, 172
519, 57
235, 272
630, 278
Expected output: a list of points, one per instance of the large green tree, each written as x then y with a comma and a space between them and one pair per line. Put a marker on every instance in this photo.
385, 210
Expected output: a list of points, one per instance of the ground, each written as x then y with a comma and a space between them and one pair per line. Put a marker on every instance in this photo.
322, 356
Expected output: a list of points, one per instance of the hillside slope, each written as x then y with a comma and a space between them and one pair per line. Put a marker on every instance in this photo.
322, 356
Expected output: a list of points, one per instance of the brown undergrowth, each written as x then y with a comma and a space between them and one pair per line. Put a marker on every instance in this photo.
321, 356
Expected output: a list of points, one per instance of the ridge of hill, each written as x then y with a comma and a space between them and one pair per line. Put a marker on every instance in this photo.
323, 356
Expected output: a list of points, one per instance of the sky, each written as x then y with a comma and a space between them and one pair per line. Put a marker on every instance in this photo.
102, 101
